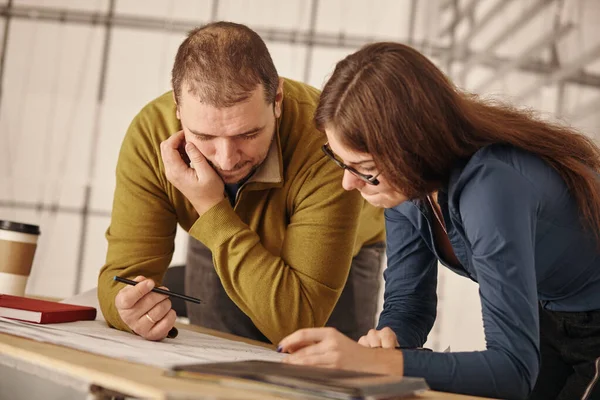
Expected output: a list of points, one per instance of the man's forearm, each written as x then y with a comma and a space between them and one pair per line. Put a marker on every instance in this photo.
279, 297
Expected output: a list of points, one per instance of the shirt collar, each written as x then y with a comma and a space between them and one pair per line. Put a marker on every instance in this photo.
271, 170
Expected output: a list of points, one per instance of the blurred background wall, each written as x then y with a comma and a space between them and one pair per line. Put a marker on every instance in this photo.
73, 74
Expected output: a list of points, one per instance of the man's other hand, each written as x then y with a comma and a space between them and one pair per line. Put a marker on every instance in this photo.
147, 313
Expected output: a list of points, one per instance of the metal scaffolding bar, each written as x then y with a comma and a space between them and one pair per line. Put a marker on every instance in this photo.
560, 100
447, 62
446, 4
555, 60
514, 26
462, 49
182, 26
561, 74
540, 67
93, 148
350, 42
214, 12
412, 22
314, 10
462, 13
526, 55
40, 207
4, 45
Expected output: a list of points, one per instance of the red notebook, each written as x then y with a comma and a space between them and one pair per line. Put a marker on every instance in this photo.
42, 311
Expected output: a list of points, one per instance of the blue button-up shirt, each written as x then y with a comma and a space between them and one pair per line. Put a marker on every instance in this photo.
516, 231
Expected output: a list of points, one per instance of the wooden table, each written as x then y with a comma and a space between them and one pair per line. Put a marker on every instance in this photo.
106, 377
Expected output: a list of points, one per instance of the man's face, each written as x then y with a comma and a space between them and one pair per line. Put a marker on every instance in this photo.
235, 140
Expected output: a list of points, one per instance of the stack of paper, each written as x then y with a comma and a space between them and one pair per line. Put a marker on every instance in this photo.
96, 337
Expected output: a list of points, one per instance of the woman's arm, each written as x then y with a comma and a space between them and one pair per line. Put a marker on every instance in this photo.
498, 207
410, 298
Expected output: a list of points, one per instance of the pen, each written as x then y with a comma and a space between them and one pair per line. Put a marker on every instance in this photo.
159, 290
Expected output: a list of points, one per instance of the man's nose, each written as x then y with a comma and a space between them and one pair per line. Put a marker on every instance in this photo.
227, 155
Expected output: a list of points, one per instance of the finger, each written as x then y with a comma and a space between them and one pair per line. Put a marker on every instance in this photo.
145, 322
169, 150
314, 349
139, 278
147, 303
363, 341
388, 338
304, 337
175, 141
160, 330
316, 360
130, 295
373, 339
196, 157
159, 311
172, 160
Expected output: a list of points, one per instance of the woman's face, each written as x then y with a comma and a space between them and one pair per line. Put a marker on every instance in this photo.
381, 195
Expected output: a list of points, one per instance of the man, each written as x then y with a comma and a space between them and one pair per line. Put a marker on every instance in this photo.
233, 157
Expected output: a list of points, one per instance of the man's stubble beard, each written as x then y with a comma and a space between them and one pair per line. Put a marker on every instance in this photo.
254, 167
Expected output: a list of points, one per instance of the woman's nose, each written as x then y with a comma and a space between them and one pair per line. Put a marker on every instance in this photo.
351, 181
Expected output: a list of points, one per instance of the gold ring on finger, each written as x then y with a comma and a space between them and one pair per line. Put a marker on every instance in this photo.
150, 319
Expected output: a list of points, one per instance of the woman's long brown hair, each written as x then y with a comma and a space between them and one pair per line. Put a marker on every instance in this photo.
390, 101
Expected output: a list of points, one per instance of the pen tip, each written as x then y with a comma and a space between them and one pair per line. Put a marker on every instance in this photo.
114, 278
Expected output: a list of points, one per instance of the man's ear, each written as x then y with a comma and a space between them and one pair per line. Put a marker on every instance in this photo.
176, 105
279, 98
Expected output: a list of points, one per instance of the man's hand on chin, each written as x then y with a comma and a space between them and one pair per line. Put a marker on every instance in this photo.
200, 183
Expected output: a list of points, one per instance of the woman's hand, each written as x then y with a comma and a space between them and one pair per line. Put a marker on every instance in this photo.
326, 347
385, 338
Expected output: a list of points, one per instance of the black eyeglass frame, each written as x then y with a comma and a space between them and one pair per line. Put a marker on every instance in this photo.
370, 179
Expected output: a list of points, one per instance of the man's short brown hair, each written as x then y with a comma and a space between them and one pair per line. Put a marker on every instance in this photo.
222, 63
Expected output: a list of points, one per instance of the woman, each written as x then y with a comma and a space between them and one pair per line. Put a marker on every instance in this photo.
492, 193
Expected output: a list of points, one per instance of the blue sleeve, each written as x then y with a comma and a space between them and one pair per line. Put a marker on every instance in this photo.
410, 298
498, 207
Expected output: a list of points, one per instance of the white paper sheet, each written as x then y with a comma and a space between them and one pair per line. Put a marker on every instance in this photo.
96, 337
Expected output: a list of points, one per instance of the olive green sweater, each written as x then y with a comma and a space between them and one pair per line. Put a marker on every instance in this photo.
284, 251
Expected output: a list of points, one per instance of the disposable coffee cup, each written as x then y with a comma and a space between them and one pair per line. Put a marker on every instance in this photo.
18, 242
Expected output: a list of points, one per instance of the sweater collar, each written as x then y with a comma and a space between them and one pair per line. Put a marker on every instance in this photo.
271, 170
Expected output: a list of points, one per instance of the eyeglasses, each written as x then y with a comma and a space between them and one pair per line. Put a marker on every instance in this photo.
370, 179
